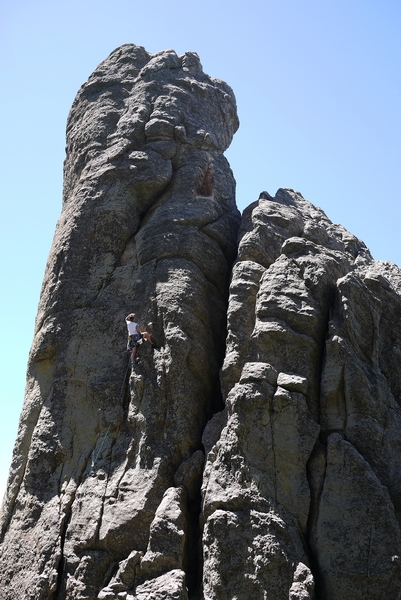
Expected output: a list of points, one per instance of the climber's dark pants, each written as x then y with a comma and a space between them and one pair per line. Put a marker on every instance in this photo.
132, 341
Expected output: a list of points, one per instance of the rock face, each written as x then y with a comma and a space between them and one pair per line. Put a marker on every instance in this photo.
279, 480
304, 480
148, 225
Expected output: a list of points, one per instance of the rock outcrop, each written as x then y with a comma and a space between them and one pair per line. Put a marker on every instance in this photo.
149, 225
279, 479
304, 480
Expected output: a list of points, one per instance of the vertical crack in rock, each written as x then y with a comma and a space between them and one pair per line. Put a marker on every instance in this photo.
316, 465
189, 475
356, 398
62, 564
307, 403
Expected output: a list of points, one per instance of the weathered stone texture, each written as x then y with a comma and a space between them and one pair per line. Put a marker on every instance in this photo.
312, 440
255, 455
148, 225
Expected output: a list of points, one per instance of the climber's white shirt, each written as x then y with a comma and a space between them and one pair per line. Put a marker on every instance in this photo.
132, 327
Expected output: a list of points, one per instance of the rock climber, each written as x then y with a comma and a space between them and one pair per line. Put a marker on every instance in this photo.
134, 335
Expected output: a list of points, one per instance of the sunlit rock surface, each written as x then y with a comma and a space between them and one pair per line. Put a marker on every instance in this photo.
148, 225
256, 452
302, 488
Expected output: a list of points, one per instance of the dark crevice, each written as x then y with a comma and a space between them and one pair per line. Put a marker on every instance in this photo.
316, 488
62, 565
193, 564
217, 400
316, 479
325, 335
229, 252
60, 575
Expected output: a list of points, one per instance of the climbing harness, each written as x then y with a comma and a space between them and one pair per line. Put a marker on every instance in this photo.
133, 340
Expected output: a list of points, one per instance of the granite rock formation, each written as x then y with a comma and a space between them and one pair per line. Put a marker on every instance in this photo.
304, 478
256, 453
148, 225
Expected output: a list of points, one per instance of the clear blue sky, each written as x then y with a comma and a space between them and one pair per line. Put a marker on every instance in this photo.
318, 87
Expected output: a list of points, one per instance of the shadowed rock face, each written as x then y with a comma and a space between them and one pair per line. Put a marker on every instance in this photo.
281, 480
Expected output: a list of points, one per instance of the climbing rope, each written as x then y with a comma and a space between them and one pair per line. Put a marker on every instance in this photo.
96, 456
125, 380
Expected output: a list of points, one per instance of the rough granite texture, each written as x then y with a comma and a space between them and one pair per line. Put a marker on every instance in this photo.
304, 481
148, 225
279, 480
